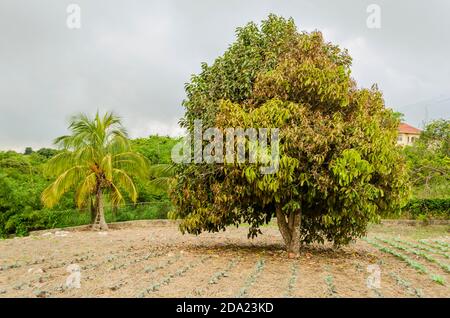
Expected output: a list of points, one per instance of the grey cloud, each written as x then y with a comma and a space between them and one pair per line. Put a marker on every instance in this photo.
134, 57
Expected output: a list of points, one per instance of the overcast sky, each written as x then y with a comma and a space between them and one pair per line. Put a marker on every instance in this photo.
133, 57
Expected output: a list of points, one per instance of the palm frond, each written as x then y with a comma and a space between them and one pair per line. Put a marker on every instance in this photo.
116, 196
123, 180
161, 174
62, 184
87, 187
161, 170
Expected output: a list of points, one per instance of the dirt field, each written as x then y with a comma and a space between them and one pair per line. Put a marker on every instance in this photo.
155, 260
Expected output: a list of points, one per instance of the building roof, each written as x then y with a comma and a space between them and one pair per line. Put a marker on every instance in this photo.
408, 129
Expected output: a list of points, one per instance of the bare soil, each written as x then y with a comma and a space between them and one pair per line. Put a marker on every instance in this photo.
146, 259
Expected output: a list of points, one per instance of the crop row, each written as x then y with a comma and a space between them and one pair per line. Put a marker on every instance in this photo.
444, 244
418, 267
170, 261
407, 286
110, 258
330, 285
292, 280
260, 264
436, 246
92, 266
423, 248
41, 260
137, 260
429, 258
168, 278
28, 282
224, 273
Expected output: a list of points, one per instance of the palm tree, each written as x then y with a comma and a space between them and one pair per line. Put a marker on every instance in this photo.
96, 161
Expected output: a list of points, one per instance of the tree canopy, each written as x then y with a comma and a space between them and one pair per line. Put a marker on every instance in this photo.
339, 165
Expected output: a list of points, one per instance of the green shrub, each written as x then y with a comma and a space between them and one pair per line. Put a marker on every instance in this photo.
20, 224
428, 208
32, 220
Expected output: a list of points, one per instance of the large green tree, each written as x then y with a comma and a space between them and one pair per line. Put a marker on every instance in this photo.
339, 165
96, 160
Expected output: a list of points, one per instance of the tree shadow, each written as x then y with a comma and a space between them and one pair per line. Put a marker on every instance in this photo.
312, 250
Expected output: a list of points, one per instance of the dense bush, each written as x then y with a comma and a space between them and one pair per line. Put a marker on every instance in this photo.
428, 208
23, 223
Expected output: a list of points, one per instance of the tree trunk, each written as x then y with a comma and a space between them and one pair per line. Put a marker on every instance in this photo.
93, 211
290, 231
100, 212
114, 212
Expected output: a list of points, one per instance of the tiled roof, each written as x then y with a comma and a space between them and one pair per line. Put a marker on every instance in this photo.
408, 129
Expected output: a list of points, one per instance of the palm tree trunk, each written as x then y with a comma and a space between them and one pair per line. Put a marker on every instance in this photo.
100, 211
93, 211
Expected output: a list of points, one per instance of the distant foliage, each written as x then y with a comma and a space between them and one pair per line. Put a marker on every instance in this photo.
428, 208
21, 184
157, 149
429, 161
47, 152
